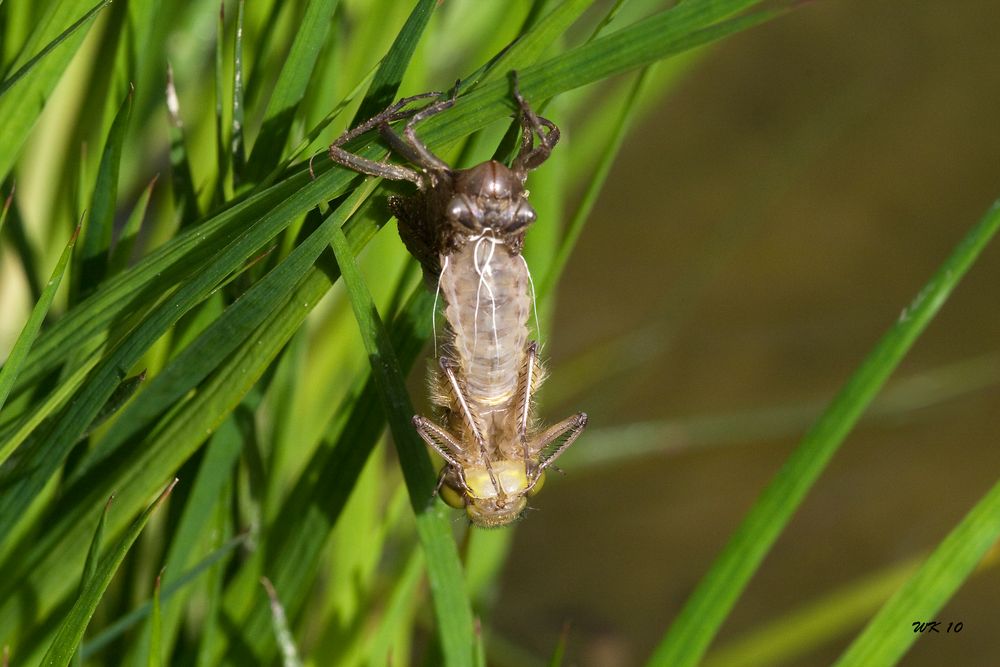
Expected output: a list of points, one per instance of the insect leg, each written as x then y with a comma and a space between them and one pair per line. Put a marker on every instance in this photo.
566, 431
366, 166
443, 442
525, 387
448, 368
413, 148
532, 156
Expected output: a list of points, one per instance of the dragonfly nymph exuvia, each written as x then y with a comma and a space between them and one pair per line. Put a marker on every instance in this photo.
467, 228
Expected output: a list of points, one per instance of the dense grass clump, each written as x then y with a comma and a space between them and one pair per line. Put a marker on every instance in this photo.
192, 296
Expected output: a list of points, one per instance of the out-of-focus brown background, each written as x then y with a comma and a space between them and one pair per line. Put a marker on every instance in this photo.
761, 229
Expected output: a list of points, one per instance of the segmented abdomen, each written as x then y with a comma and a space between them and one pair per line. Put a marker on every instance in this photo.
488, 301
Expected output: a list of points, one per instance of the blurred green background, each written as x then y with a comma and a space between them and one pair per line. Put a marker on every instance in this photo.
779, 198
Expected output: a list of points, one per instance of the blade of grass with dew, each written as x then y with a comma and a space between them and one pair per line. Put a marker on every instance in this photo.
19, 105
127, 237
12, 366
68, 637
887, 638
290, 88
121, 395
90, 564
444, 571
18, 431
691, 633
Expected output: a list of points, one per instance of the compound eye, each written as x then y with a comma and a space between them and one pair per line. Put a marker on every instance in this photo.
460, 210
452, 496
523, 216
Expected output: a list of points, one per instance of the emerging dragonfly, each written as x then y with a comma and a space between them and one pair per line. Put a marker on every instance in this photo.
467, 227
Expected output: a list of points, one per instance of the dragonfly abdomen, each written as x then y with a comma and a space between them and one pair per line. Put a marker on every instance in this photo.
488, 302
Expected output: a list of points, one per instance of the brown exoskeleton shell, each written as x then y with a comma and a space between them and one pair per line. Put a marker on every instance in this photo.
467, 227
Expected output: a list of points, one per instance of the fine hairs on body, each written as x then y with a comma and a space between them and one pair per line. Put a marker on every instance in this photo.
467, 227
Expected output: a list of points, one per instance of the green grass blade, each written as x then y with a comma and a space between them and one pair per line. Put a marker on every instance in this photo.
630, 47
222, 336
479, 647
532, 45
444, 571
135, 470
48, 48
122, 625
18, 354
559, 652
90, 565
126, 239
890, 634
91, 262
239, 157
125, 391
221, 149
388, 76
901, 399
214, 474
637, 45
71, 631
29, 474
595, 184
19, 106
793, 636
290, 88
258, 218
704, 612
8, 200
155, 656
289, 652
398, 610
315, 503
185, 197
